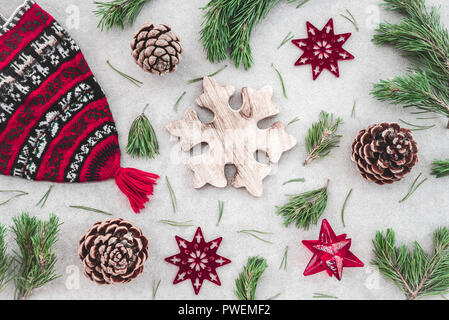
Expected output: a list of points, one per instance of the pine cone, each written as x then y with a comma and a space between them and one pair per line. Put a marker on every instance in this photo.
113, 251
384, 152
156, 49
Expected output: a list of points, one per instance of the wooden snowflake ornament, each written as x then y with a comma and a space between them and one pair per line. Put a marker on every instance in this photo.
233, 137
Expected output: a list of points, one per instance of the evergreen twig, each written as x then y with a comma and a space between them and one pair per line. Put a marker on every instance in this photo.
304, 209
36, 257
414, 271
413, 187
20, 193
246, 283
322, 137
440, 168
142, 139
284, 90
44, 199
425, 40
6, 260
220, 211
91, 210
124, 75
117, 13
344, 207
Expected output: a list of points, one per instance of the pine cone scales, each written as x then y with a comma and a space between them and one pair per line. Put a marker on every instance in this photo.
384, 153
113, 251
156, 49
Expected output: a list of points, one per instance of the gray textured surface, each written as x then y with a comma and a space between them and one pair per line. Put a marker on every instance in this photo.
370, 208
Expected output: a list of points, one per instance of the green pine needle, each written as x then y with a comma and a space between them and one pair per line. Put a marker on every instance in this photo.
124, 75
413, 187
287, 38
44, 199
300, 4
36, 257
213, 74
415, 272
117, 13
304, 209
322, 137
220, 211
344, 207
424, 39
440, 168
284, 260
351, 19
284, 90
142, 139
416, 127
246, 283
155, 288
182, 224
275, 296
173, 200
253, 233
353, 109
6, 260
20, 193
176, 107
294, 120
91, 210
323, 296
294, 180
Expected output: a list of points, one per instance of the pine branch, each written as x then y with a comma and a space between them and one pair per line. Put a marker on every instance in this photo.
440, 168
117, 13
246, 283
425, 40
36, 257
304, 209
142, 139
322, 137
415, 272
6, 260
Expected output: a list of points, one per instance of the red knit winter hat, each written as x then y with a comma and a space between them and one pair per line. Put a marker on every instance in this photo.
55, 122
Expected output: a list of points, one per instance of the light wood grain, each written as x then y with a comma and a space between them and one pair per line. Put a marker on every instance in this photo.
233, 137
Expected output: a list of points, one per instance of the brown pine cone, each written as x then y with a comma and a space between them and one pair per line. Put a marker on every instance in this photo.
384, 152
113, 251
156, 49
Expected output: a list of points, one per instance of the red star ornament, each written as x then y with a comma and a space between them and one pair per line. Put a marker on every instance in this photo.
322, 49
330, 253
197, 260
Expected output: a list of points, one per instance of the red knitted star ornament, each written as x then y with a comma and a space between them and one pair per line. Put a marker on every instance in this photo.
322, 49
197, 261
330, 253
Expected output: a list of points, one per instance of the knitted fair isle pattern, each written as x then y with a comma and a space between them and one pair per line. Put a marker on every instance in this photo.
55, 122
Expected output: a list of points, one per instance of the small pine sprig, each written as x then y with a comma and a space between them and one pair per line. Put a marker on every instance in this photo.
322, 137
440, 168
414, 271
117, 13
5, 260
304, 209
246, 283
36, 257
142, 139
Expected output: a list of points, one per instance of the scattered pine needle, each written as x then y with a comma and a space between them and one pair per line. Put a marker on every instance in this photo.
344, 207
124, 75
413, 188
253, 234
323, 296
209, 75
416, 127
20, 193
284, 260
294, 180
351, 19
182, 224
287, 38
173, 200
353, 109
275, 296
295, 119
284, 90
91, 209
43, 201
155, 288
303, 2
178, 101
220, 211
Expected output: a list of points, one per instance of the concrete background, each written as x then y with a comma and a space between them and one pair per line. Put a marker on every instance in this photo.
370, 208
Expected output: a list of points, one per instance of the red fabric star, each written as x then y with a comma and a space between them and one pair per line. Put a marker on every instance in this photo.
331, 253
197, 261
322, 49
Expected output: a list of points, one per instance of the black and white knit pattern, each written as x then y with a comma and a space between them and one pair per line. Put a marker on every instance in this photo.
8, 24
